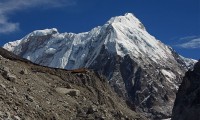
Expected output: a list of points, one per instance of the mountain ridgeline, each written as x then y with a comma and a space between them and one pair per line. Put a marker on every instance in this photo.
141, 69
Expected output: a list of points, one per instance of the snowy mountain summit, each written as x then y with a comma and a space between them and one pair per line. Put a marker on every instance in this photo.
140, 68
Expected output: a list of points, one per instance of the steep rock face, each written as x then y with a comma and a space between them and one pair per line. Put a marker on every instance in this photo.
38, 93
187, 103
140, 68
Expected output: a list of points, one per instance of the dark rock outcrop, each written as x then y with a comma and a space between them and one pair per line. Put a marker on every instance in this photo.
187, 103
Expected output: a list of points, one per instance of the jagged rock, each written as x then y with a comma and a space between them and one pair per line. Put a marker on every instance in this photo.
11, 77
5, 71
71, 92
187, 103
8, 75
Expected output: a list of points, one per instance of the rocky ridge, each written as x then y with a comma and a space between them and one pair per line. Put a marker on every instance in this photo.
32, 92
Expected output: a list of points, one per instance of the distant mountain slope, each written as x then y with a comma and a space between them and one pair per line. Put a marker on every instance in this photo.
29, 91
140, 68
187, 103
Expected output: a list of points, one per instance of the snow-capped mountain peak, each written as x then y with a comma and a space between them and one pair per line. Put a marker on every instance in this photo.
127, 20
130, 37
123, 35
139, 67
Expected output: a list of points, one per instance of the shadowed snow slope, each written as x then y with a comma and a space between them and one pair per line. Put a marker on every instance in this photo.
140, 68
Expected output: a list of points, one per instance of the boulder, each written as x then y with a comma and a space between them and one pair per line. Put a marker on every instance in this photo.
8, 75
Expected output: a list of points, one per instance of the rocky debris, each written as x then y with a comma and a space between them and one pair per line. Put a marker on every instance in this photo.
57, 94
187, 103
71, 92
8, 116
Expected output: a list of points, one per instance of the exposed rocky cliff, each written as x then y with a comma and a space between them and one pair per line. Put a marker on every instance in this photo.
187, 103
32, 92
140, 68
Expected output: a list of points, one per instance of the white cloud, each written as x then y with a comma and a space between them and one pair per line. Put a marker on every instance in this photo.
194, 43
8, 7
7, 27
188, 37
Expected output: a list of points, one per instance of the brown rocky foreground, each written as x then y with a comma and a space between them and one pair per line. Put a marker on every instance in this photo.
32, 92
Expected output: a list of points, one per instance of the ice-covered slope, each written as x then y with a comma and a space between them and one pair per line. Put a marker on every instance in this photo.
140, 68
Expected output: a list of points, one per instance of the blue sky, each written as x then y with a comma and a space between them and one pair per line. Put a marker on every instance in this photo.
174, 22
